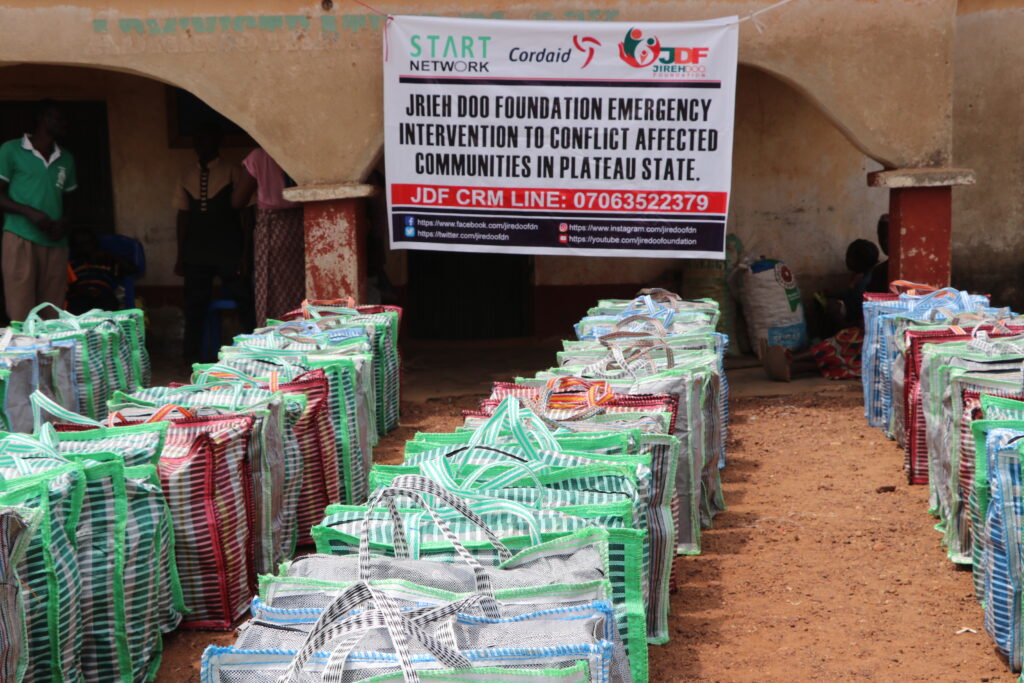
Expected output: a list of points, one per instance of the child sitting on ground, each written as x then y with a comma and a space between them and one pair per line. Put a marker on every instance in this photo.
838, 356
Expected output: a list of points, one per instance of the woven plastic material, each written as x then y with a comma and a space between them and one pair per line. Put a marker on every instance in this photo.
314, 436
327, 318
272, 452
593, 489
35, 477
879, 321
914, 443
17, 526
526, 530
142, 535
205, 477
351, 399
553, 627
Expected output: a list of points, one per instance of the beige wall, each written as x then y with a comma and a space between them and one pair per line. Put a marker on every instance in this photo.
143, 166
294, 74
988, 220
305, 82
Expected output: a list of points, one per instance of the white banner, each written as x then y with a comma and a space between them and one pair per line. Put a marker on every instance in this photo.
573, 138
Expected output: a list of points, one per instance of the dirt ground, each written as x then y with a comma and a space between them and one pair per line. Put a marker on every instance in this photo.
824, 567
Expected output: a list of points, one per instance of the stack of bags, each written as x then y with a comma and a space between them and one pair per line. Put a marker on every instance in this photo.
98, 584
159, 506
562, 502
944, 377
75, 360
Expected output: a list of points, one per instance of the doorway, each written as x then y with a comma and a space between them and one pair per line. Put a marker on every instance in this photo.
88, 140
455, 295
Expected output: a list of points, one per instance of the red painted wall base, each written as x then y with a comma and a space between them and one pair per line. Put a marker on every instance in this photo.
335, 249
920, 234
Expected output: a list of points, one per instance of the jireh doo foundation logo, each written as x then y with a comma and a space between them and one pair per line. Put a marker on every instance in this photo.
638, 51
643, 52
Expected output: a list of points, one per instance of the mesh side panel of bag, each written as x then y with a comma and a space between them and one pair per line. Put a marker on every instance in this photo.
275, 463
49, 568
569, 664
17, 525
205, 478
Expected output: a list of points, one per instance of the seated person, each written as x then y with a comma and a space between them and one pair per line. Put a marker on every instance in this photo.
94, 275
861, 259
879, 282
838, 356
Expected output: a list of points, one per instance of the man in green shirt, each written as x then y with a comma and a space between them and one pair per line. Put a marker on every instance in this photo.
35, 174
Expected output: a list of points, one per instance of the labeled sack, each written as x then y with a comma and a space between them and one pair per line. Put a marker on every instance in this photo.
772, 305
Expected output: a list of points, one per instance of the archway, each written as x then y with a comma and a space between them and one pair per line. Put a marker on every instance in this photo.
136, 138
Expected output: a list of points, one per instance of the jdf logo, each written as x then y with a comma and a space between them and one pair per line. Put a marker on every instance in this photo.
638, 51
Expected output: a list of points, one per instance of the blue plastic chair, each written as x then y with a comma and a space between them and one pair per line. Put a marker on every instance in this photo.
211, 327
131, 250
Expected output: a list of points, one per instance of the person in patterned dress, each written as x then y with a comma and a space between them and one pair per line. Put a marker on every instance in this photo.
279, 238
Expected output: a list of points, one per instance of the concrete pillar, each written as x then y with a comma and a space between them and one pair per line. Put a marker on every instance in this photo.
335, 222
921, 221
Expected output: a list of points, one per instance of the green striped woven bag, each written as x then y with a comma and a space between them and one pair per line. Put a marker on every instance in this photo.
273, 453
357, 350
33, 475
94, 367
695, 379
18, 525
384, 323
146, 545
350, 405
132, 347
428, 535
605, 495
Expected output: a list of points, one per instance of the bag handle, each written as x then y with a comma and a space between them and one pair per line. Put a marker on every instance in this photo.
908, 287
558, 385
14, 447
159, 415
41, 402
388, 613
308, 304
555, 396
509, 414
412, 486
218, 373
981, 341
439, 470
659, 294
659, 327
34, 318
334, 672
473, 483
